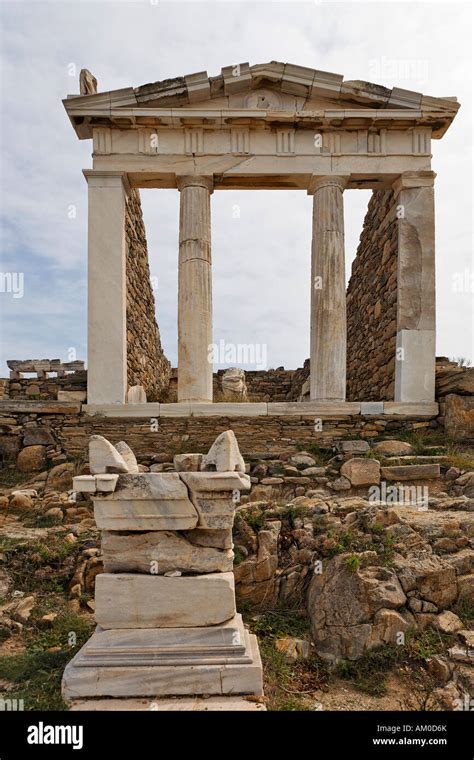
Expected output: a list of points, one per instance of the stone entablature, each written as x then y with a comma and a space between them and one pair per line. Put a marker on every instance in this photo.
268, 126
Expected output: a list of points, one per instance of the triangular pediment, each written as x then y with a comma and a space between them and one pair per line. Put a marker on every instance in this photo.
264, 91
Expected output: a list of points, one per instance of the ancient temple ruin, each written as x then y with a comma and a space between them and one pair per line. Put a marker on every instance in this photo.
268, 126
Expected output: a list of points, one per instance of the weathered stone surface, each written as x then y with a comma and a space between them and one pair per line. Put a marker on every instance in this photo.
87, 83
194, 289
466, 588
106, 483
448, 622
433, 578
128, 456
361, 472
294, 649
80, 396
411, 472
32, 459
173, 704
340, 484
140, 601
388, 625
160, 552
393, 448
352, 447
302, 460
147, 366
233, 384
372, 304
219, 539
147, 501
187, 462
103, 457
136, 395
459, 417
450, 378
40, 435
20, 502
224, 455
155, 681
60, 477
342, 604
211, 494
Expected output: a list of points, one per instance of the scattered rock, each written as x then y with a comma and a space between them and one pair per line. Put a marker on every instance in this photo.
361, 472
302, 460
448, 622
294, 649
393, 448
340, 484
20, 502
31, 459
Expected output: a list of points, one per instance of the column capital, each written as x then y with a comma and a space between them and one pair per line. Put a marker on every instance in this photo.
409, 180
198, 180
316, 182
104, 178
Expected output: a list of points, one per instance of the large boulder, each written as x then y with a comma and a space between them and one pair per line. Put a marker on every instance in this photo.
459, 417
343, 602
32, 459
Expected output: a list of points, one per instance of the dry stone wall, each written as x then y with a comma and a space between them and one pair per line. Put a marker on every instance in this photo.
372, 305
146, 363
47, 388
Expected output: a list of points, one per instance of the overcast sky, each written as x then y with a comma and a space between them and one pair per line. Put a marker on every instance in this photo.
261, 240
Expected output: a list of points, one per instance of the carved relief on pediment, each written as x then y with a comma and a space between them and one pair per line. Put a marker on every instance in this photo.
265, 99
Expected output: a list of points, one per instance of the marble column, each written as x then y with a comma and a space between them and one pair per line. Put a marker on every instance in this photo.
328, 291
107, 307
416, 297
195, 290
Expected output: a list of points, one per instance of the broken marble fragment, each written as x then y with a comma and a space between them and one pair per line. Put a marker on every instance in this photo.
128, 456
224, 455
103, 457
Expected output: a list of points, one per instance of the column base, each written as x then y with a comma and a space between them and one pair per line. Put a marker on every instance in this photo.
215, 660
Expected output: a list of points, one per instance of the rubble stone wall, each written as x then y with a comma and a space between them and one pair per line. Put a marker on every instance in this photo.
372, 305
55, 437
147, 364
46, 388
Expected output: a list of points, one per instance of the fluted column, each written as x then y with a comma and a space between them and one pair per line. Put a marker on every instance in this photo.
194, 290
328, 291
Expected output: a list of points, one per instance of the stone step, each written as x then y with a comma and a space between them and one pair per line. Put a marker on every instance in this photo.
411, 472
181, 704
229, 678
417, 459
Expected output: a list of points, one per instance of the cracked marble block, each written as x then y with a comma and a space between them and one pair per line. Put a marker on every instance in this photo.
165, 605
